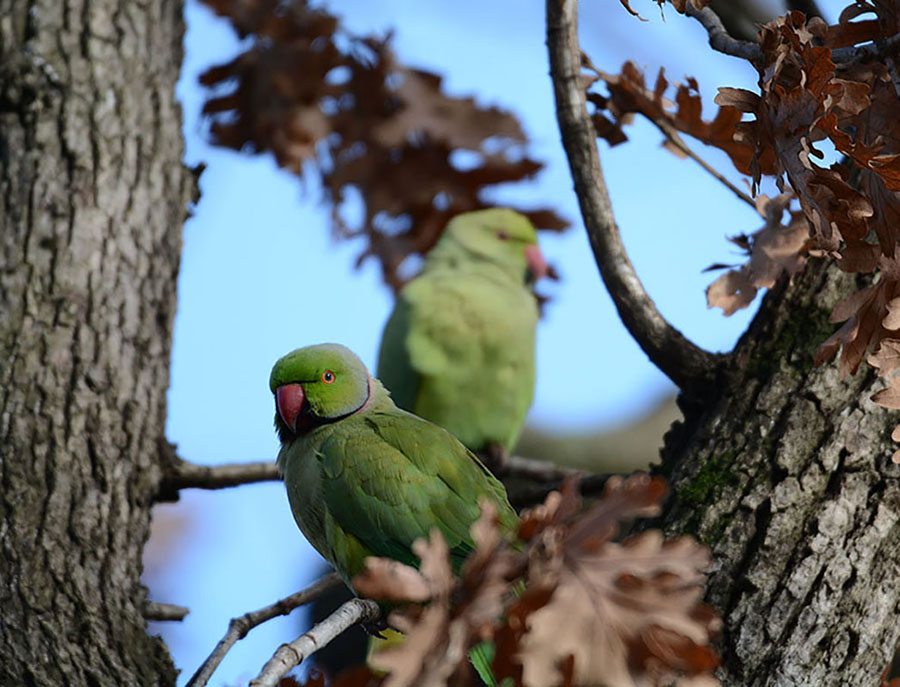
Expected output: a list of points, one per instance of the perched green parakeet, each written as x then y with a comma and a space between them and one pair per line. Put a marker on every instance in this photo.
458, 349
365, 478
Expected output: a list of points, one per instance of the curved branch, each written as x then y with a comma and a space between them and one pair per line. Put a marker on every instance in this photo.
719, 38
693, 369
288, 656
239, 627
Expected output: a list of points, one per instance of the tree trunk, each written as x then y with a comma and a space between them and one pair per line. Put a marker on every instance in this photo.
92, 200
788, 477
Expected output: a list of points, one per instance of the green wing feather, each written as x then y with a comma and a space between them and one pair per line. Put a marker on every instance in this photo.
386, 479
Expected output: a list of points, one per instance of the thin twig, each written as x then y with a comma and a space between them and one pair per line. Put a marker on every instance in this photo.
675, 139
239, 627
154, 610
693, 369
291, 655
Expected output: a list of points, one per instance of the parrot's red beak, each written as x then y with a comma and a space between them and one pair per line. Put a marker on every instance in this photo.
537, 266
289, 402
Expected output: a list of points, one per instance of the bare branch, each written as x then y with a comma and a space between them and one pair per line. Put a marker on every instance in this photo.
719, 38
190, 475
239, 627
291, 655
721, 41
529, 495
153, 610
181, 474
691, 368
185, 475
883, 49
519, 467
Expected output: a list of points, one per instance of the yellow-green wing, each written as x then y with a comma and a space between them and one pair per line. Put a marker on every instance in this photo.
390, 477
459, 350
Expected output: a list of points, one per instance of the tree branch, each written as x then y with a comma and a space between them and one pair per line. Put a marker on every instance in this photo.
239, 627
883, 49
185, 475
153, 610
190, 475
181, 474
721, 41
692, 369
529, 495
291, 655
719, 38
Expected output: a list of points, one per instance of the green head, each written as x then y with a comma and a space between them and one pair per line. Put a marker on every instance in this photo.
317, 384
496, 235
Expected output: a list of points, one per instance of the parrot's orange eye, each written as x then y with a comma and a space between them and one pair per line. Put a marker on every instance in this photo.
328, 376
502, 235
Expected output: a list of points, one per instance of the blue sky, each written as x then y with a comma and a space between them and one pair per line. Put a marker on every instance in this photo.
261, 275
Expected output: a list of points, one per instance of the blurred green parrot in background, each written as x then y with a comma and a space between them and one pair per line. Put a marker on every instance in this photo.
365, 478
459, 346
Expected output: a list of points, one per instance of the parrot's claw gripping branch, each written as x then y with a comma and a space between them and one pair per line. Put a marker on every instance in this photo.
694, 370
239, 627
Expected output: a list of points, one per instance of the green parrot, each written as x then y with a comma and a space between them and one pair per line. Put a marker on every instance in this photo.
365, 478
459, 347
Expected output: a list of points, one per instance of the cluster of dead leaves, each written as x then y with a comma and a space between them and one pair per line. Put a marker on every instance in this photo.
848, 211
570, 607
313, 94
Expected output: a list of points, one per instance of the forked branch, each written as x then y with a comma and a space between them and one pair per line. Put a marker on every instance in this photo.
239, 627
693, 369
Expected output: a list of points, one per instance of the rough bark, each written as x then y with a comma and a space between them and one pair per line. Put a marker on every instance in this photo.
787, 476
92, 200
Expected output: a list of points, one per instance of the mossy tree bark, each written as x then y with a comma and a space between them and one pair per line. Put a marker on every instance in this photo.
787, 475
92, 200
